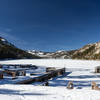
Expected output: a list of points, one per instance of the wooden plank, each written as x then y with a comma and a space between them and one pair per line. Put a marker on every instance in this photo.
44, 77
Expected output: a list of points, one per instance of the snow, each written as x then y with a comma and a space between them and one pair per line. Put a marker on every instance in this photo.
29, 92
60, 51
80, 72
3, 40
86, 64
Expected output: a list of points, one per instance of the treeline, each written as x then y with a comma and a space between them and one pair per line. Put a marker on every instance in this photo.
86, 54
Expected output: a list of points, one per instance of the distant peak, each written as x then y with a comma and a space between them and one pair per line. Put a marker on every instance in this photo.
60, 51
3, 39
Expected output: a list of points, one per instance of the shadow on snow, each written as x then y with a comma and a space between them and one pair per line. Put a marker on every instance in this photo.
17, 92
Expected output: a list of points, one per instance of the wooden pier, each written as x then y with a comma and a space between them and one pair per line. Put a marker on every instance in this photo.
44, 77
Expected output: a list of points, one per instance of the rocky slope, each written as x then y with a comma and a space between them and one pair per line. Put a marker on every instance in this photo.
90, 51
9, 51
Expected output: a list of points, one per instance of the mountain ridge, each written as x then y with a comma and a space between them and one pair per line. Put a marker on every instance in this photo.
89, 51
10, 51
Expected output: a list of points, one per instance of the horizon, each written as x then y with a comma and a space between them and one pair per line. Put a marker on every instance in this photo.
56, 50
50, 25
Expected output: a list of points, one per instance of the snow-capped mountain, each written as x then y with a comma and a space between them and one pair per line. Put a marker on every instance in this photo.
89, 51
3, 41
58, 54
36, 52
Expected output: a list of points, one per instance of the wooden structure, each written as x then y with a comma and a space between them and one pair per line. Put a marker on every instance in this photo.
97, 69
50, 69
1, 74
70, 85
15, 72
94, 86
44, 77
1, 66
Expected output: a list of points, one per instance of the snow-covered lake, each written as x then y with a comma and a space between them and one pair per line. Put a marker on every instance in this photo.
56, 63
81, 72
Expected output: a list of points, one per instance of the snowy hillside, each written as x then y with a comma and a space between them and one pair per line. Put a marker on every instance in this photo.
58, 54
3, 41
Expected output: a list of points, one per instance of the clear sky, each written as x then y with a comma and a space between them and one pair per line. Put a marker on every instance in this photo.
50, 25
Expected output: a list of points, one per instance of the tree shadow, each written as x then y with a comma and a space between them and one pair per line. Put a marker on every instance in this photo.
77, 69
60, 81
84, 76
64, 83
62, 76
17, 92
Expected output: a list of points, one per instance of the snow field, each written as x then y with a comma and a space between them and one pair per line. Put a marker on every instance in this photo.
80, 72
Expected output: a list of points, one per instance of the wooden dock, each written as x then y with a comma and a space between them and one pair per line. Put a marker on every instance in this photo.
44, 77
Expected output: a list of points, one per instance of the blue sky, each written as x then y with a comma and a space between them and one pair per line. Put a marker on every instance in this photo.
50, 25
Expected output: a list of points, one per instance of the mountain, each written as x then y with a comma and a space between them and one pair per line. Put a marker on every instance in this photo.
58, 54
9, 51
89, 51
